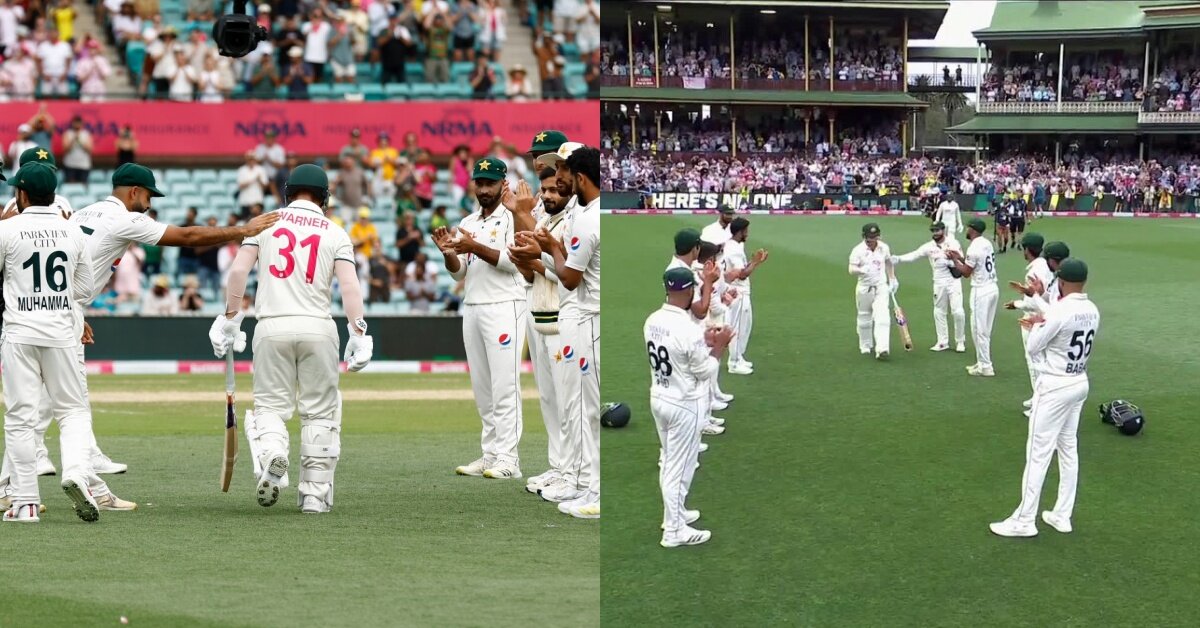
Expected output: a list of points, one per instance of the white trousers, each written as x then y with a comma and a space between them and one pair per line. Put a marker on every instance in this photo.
741, 320
581, 399
874, 322
1053, 427
983, 315
949, 296
678, 424
493, 334
544, 351
296, 368
1028, 360
26, 369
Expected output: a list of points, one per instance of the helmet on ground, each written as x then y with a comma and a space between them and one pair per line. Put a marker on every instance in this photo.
615, 415
1123, 415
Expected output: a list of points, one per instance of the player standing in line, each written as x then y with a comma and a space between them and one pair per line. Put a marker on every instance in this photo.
576, 261
947, 287
723, 295
870, 261
980, 265
494, 311
682, 359
738, 269
545, 343
1040, 295
687, 252
45, 157
718, 232
296, 340
1060, 344
948, 214
1036, 269
47, 281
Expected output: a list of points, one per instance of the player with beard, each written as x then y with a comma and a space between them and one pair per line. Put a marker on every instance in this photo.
947, 287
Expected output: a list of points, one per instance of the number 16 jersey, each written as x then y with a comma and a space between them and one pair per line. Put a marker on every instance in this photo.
680, 361
295, 262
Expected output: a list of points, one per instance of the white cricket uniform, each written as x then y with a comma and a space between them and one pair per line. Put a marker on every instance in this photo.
696, 268
60, 203
716, 233
1039, 269
947, 289
296, 345
947, 214
579, 322
47, 279
680, 368
741, 314
871, 296
981, 257
494, 312
545, 350
1059, 348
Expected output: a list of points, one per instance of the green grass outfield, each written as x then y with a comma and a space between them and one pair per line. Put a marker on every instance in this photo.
408, 543
852, 492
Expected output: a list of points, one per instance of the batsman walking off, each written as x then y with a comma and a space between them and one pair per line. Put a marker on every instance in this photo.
296, 340
494, 311
1060, 344
870, 261
980, 265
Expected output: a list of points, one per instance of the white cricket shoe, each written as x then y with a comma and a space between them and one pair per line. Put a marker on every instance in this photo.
689, 517
960, 348
725, 397
310, 505
112, 502
882, 355
269, 482
1012, 528
590, 510
984, 371
540, 480
503, 470
560, 493
45, 467
864, 350
103, 465
1027, 413
6, 503
583, 500
476, 468
711, 429
27, 513
81, 497
747, 364
703, 447
717, 405
740, 369
685, 536
1028, 403
715, 421
552, 482
1058, 522
941, 346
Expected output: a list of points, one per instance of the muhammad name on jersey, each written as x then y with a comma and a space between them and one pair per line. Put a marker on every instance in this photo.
43, 302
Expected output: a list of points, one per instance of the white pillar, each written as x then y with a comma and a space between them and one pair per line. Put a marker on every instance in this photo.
1062, 50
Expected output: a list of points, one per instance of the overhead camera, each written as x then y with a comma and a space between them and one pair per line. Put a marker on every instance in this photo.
237, 34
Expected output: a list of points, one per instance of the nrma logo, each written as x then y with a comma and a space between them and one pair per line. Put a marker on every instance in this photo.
282, 128
457, 124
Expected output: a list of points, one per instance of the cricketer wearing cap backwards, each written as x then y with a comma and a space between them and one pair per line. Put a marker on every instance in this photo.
494, 311
42, 156
947, 288
1036, 271
1060, 344
296, 339
47, 282
980, 265
683, 357
115, 223
718, 232
870, 261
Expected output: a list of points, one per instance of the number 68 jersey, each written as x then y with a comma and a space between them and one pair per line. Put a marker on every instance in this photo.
295, 262
1061, 345
679, 359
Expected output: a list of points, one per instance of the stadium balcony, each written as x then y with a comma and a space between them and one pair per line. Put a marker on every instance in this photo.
1059, 107
1169, 117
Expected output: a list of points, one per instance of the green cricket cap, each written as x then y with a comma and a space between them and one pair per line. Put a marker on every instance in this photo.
493, 169
977, 224
678, 279
870, 229
1073, 270
728, 211
35, 178
1034, 240
547, 141
38, 154
309, 176
132, 174
1056, 251
686, 240
938, 226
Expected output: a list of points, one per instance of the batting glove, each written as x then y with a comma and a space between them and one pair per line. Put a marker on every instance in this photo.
358, 352
226, 333
895, 285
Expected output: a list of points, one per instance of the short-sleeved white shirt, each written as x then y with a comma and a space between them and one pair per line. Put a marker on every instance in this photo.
46, 275
981, 258
109, 228
296, 260
582, 239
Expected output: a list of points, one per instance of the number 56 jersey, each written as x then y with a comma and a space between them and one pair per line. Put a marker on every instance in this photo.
295, 262
47, 276
680, 361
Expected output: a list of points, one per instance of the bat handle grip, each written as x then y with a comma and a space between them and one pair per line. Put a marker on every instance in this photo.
229, 371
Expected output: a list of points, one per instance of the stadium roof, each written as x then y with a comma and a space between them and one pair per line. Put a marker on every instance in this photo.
1048, 123
759, 97
1054, 19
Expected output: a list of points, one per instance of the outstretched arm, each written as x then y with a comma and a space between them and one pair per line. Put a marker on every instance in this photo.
205, 236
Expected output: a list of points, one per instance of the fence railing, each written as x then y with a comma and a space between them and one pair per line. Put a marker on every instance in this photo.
1058, 107
1169, 117
970, 79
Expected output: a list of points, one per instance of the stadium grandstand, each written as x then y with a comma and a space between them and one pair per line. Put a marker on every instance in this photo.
1075, 106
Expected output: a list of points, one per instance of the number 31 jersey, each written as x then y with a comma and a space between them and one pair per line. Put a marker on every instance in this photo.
680, 361
295, 262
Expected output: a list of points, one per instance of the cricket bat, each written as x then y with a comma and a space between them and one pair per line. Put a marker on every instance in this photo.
902, 321
231, 435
